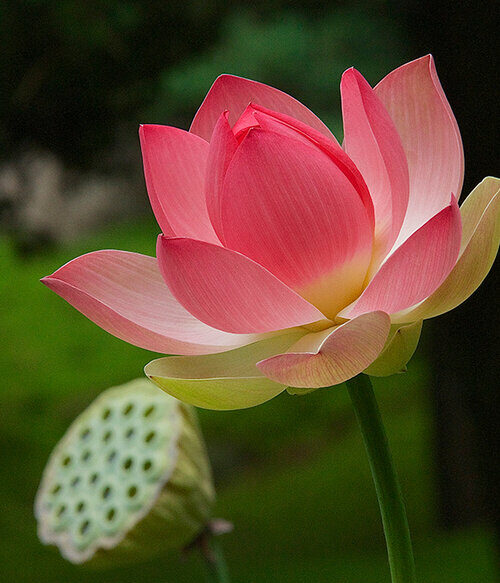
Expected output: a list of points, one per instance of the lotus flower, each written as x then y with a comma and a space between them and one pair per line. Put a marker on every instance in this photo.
285, 259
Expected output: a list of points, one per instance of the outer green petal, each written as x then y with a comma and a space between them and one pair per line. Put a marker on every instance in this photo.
474, 206
399, 348
223, 381
480, 241
298, 391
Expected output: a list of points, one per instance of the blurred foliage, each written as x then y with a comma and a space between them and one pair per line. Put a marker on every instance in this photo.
72, 73
69, 71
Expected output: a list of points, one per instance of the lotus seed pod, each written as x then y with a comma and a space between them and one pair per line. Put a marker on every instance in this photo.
130, 479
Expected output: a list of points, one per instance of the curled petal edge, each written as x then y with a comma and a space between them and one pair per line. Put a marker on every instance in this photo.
330, 357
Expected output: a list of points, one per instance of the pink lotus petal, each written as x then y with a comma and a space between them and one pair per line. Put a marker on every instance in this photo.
268, 120
416, 268
414, 98
330, 357
227, 290
125, 294
222, 148
286, 205
480, 240
174, 167
372, 141
235, 93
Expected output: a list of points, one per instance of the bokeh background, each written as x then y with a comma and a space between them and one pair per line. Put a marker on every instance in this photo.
76, 79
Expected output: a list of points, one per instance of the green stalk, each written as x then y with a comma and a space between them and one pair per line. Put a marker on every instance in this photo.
217, 571
392, 509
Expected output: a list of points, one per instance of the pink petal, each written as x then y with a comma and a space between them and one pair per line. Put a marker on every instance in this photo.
269, 120
125, 294
480, 240
227, 290
414, 98
372, 141
416, 268
174, 167
235, 93
322, 359
286, 205
222, 148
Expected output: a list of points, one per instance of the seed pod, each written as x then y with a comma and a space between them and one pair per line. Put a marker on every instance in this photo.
130, 479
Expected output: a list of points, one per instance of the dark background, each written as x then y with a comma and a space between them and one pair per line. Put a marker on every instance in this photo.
76, 79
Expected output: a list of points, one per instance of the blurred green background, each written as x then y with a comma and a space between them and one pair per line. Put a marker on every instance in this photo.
76, 79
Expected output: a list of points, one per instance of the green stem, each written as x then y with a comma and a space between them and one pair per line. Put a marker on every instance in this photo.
217, 571
397, 533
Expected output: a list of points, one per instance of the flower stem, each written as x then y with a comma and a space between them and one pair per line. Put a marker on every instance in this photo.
392, 509
217, 571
